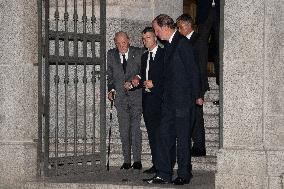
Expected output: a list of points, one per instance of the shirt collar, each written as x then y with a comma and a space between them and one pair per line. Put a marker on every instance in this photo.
126, 55
154, 51
189, 35
172, 36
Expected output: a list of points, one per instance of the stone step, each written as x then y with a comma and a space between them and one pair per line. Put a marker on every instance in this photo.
116, 148
210, 109
118, 179
211, 121
207, 163
212, 146
211, 96
212, 83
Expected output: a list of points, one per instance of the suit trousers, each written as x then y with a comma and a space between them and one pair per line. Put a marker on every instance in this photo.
174, 139
204, 29
129, 119
198, 133
152, 118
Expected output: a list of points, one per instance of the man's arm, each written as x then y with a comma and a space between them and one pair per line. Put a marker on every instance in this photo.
192, 69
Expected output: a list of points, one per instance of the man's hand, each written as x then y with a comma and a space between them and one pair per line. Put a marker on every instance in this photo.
199, 101
110, 95
135, 81
148, 84
128, 86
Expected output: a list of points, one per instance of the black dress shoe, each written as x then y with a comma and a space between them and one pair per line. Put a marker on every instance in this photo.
157, 180
216, 103
125, 166
137, 165
195, 152
148, 179
180, 181
152, 170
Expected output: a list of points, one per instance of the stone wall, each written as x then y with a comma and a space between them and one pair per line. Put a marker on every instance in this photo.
253, 90
18, 91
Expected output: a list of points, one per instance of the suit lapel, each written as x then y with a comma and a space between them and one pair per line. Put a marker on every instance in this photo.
157, 56
129, 60
117, 58
172, 46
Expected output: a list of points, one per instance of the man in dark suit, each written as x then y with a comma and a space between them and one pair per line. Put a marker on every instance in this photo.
181, 88
185, 27
123, 64
208, 20
152, 63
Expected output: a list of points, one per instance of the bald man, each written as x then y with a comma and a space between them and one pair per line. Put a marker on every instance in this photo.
123, 63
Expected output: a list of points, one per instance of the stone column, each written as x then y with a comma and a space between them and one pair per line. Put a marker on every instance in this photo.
253, 89
18, 91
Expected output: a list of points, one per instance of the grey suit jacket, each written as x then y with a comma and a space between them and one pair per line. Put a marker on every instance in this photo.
117, 78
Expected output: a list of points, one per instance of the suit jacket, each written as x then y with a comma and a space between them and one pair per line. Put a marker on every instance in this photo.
156, 75
203, 7
194, 41
181, 75
117, 78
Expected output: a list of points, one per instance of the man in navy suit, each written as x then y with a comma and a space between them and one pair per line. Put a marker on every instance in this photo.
152, 63
208, 20
185, 27
181, 88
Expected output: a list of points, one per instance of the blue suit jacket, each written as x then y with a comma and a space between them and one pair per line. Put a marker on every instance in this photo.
155, 74
181, 75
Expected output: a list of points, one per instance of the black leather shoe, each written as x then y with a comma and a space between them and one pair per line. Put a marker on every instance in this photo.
195, 152
216, 103
157, 180
148, 179
180, 181
137, 165
152, 170
125, 166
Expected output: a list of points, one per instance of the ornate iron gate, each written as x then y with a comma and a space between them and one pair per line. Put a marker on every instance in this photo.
72, 87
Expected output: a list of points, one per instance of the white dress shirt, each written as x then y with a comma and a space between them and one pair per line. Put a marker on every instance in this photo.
172, 36
189, 35
126, 56
154, 51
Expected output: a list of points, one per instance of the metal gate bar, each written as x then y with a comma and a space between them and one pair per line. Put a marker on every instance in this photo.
69, 146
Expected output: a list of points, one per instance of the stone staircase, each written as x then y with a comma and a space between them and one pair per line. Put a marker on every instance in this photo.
211, 119
203, 167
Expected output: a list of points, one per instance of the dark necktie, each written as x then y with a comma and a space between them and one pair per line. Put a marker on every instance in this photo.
151, 58
124, 63
148, 65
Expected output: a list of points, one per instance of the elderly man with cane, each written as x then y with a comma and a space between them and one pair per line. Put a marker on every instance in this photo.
123, 63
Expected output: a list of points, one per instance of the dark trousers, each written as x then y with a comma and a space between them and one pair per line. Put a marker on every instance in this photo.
152, 118
174, 139
198, 133
210, 26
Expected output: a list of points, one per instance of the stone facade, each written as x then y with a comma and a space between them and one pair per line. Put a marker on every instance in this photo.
252, 111
253, 105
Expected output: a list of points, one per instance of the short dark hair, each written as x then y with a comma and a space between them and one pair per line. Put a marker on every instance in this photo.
185, 18
164, 20
148, 29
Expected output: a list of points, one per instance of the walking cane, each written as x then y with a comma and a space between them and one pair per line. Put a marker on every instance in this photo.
109, 133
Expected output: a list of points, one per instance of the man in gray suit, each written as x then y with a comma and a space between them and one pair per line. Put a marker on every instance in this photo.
123, 63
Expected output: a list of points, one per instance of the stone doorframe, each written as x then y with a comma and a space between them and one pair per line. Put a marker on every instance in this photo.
252, 113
